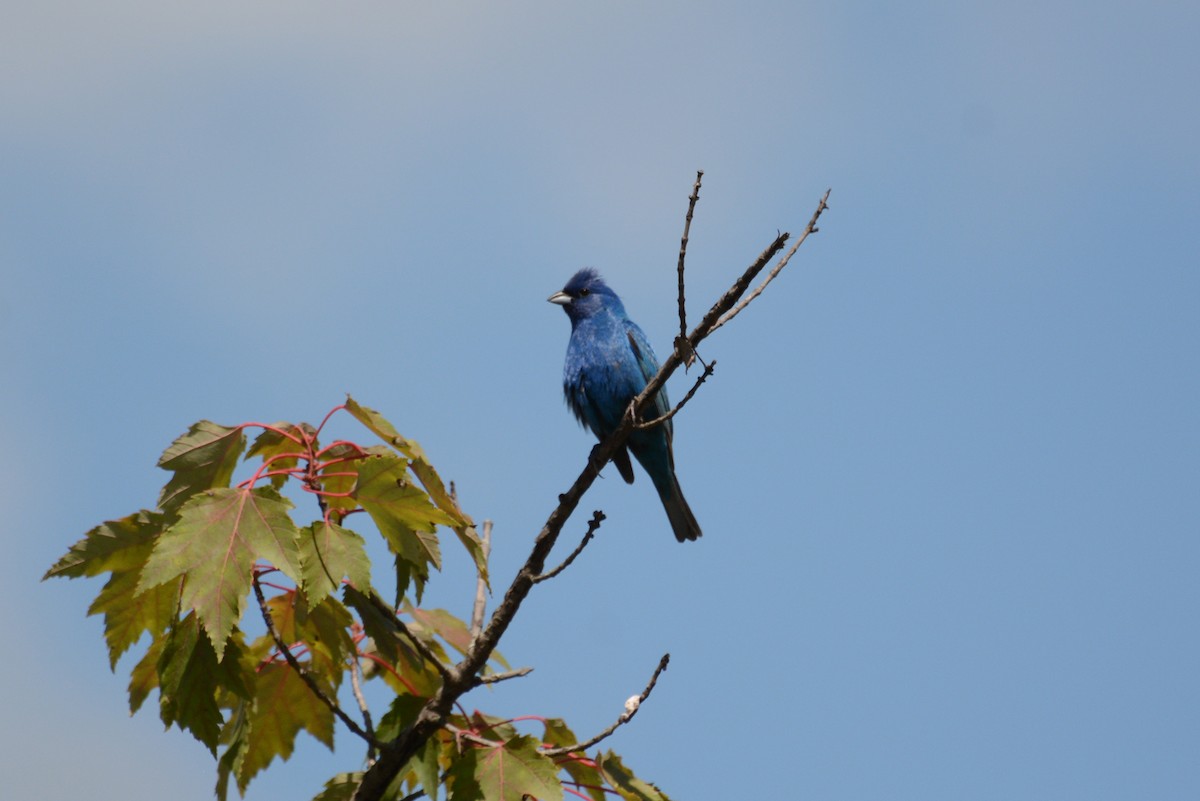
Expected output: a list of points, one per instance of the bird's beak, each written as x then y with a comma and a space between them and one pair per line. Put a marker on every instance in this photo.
561, 298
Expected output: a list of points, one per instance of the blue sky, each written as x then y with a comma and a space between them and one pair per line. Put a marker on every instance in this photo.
946, 469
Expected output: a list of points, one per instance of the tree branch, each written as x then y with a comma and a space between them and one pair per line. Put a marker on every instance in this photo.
492, 678
593, 527
631, 708
811, 228
708, 370
683, 243
480, 585
462, 677
308, 680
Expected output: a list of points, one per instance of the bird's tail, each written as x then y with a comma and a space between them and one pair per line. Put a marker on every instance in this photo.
683, 522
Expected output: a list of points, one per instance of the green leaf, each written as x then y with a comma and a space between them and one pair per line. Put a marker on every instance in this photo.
630, 787
462, 524
283, 705
443, 624
235, 736
144, 676
425, 765
329, 552
274, 446
412, 673
392, 500
187, 671
214, 544
384, 430
115, 545
127, 614
201, 459
340, 788
326, 630
402, 512
515, 770
578, 767
377, 623
401, 714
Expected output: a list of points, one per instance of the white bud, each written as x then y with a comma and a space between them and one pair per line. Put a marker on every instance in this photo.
632, 704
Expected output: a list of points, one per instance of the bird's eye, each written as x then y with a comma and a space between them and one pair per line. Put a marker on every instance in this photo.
584, 293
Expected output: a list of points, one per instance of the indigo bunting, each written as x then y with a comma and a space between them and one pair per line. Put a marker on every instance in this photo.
609, 361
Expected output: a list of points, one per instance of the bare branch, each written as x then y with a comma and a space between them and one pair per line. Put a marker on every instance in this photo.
294, 663
811, 228
462, 677
480, 585
356, 678
683, 243
631, 708
593, 527
493, 678
708, 370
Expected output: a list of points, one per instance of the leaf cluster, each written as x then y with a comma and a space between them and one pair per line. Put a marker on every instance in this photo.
182, 576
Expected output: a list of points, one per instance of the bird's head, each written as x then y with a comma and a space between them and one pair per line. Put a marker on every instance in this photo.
586, 295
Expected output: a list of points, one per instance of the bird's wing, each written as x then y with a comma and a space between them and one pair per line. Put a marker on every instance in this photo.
648, 364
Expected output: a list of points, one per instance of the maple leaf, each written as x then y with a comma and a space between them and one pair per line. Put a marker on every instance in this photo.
511, 771
201, 459
283, 705
214, 544
114, 545
630, 787
463, 526
129, 613
327, 553
187, 673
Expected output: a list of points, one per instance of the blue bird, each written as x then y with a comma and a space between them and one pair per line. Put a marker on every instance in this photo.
609, 362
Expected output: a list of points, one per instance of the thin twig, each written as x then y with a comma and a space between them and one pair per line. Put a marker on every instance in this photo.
811, 228
308, 680
631, 708
683, 243
593, 527
708, 370
492, 678
481, 585
356, 686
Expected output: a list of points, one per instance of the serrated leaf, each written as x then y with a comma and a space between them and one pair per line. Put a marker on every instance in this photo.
128, 614
201, 459
401, 714
621, 778
235, 736
214, 545
515, 770
328, 553
389, 496
277, 446
462, 524
403, 513
143, 678
411, 673
187, 671
384, 430
443, 624
114, 545
283, 706
424, 765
